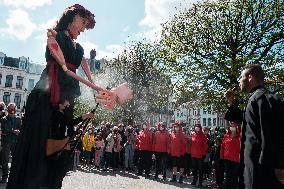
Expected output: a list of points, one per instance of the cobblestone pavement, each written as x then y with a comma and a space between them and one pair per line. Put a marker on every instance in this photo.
88, 178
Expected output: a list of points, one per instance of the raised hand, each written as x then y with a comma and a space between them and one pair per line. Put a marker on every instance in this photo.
229, 96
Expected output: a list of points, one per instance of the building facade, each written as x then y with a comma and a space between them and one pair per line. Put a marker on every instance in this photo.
18, 77
192, 114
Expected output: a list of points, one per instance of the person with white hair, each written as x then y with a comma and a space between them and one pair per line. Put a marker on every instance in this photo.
113, 148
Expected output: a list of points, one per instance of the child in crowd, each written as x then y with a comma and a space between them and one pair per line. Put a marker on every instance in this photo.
99, 146
88, 142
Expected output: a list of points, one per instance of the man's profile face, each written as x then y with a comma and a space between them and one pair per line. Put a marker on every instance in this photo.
244, 81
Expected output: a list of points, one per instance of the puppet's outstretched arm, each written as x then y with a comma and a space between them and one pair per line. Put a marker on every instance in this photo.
86, 69
57, 54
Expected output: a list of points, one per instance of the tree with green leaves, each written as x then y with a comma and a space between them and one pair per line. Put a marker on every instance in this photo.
138, 66
205, 47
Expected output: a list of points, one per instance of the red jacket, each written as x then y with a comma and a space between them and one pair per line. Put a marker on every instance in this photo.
145, 139
161, 141
230, 148
198, 144
177, 143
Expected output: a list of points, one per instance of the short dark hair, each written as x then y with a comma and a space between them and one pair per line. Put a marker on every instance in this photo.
256, 71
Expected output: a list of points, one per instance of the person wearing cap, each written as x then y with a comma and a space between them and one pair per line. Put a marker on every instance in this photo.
160, 147
230, 153
145, 142
29, 164
59, 159
198, 148
177, 151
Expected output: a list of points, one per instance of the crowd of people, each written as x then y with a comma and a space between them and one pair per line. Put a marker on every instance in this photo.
170, 150
164, 149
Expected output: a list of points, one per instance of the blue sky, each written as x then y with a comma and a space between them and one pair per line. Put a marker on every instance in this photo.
24, 22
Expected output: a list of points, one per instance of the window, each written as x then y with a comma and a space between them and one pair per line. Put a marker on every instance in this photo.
204, 111
31, 84
209, 110
22, 64
194, 112
17, 100
221, 122
177, 114
204, 122
6, 98
1, 60
209, 122
181, 114
9, 80
97, 65
214, 121
0, 78
198, 111
189, 112
19, 83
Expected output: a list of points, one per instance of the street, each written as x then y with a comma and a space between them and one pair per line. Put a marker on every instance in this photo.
88, 178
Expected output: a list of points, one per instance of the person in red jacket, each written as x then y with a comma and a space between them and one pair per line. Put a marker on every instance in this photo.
230, 152
160, 146
177, 150
197, 149
145, 140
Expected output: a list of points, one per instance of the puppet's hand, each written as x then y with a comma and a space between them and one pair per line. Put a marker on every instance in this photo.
51, 33
106, 98
123, 92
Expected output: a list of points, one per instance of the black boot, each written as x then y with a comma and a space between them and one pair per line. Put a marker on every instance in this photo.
156, 176
174, 179
164, 176
180, 179
193, 182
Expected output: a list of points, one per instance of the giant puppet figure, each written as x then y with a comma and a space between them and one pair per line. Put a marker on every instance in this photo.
63, 56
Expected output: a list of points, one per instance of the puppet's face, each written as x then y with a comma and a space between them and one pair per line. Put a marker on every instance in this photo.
77, 26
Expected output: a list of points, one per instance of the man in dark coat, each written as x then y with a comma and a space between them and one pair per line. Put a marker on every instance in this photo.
262, 143
10, 129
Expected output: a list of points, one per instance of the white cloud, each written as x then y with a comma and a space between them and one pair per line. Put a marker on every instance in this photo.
88, 46
32, 4
48, 24
109, 52
19, 24
126, 29
151, 35
158, 12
